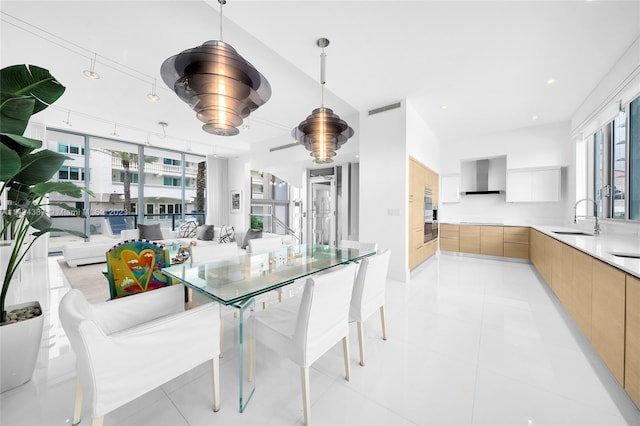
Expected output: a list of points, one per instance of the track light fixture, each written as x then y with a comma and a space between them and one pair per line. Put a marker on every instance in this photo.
91, 72
153, 96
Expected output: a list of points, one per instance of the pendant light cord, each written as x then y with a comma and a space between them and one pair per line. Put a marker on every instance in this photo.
222, 2
323, 79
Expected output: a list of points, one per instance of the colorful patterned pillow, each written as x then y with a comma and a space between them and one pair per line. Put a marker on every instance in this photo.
227, 234
187, 230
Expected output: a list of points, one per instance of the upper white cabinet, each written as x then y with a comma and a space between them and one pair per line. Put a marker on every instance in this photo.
450, 189
534, 185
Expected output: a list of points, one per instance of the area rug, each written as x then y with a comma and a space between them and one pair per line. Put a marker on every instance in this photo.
88, 279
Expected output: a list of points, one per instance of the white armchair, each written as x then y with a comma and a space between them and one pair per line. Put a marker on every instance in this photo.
129, 346
369, 294
304, 328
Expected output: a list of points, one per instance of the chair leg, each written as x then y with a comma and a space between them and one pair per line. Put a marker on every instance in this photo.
215, 376
97, 421
306, 401
345, 351
77, 408
251, 343
360, 341
384, 326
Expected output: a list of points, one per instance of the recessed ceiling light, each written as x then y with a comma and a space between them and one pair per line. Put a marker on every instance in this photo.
357, 155
534, 117
443, 107
551, 81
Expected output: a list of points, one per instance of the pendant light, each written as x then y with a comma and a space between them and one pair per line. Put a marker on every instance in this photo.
323, 132
153, 96
219, 84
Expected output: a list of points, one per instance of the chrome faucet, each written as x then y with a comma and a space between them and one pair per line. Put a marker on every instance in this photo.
596, 228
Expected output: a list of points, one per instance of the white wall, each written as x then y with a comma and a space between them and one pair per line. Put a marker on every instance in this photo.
545, 145
240, 180
383, 185
422, 143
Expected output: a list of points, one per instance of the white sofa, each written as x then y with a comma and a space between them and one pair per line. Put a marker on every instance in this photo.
76, 254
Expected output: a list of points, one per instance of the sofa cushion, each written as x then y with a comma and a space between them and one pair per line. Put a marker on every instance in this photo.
227, 234
250, 235
150, 232
187, 229
205, 232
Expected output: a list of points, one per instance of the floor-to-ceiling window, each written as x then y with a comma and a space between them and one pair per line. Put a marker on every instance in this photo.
123, 176
613, 166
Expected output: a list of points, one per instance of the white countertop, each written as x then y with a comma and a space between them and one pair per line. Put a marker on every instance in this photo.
600, 247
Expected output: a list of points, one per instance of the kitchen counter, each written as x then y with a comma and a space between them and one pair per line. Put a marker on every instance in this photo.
600, 247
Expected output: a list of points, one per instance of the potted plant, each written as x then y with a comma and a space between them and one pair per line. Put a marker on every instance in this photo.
25, 173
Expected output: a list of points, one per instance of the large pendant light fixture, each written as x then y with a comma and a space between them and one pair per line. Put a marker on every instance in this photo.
219, 84
323, 132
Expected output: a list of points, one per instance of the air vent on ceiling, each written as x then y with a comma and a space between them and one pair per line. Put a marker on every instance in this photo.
289, 145
384, 108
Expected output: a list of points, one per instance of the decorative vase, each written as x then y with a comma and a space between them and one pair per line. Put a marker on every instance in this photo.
19, 347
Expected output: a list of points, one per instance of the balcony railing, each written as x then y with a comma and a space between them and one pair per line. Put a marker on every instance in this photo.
159, 168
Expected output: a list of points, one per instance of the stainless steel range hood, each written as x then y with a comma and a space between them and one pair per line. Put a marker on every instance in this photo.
484, 176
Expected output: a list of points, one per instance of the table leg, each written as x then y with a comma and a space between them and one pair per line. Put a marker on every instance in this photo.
246, 387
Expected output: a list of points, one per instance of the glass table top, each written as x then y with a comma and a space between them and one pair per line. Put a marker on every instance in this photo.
235, 279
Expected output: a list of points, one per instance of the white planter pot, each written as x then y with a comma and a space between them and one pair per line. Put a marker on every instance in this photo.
19, 347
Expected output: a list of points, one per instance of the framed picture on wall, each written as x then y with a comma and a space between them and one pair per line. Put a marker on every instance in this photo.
235, 201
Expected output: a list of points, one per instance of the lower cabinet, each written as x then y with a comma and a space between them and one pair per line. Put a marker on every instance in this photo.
470, 239
632, 342
608, 316
449, 236
516, 242
580, 292
492, 240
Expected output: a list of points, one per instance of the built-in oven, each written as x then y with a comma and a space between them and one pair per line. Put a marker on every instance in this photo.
430, 216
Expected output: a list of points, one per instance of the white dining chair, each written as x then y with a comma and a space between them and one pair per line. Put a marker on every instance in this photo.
262, 246
304, 328
129, 346
361, 245
369, 294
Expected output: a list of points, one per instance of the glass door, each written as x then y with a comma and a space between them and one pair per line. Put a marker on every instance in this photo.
323, 201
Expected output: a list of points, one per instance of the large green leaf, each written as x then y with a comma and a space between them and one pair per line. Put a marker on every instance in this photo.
9, 163
23, 80
39, 167
20, 144
38, 219
65, 188
15, 114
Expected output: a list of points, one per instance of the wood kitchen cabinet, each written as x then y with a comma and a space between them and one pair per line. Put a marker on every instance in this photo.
537, 239
632, 339
492, 240
608, 316
516, 242
470, 239
449, 237
580, 294
419, 177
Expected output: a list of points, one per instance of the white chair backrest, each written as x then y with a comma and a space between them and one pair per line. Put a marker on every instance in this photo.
323, 316
369, 288
264, 245
358, 245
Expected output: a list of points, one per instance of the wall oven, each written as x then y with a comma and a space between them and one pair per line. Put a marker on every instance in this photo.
430, 216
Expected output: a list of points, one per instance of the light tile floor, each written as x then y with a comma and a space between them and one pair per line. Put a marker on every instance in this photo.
471, 342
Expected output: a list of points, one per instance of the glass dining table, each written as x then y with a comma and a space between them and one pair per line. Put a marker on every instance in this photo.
236, 281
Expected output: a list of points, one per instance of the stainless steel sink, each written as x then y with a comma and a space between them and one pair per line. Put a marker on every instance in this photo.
627, 254
571, 233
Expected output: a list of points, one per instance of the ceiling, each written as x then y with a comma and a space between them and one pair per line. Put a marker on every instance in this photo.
489, 63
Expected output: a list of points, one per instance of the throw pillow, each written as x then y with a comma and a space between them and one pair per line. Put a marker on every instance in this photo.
187, 230
205, 233
227, 234
250, 235
150, 232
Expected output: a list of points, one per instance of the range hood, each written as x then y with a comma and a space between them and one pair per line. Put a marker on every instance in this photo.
484, 176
